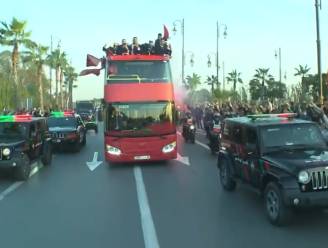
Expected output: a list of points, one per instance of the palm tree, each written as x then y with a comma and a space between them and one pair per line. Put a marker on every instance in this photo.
15, 35
211, 80
234, 77
263, 76
302, 71
57, 60
70, 78
63, 66
37, 55
192, 82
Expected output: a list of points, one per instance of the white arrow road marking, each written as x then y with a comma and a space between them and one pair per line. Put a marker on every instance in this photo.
94, 163
147, 224
182, 159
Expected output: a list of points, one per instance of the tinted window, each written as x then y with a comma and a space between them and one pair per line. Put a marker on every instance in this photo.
141, 119
62, 121
291, 135
139, 71
237, 134
12, 130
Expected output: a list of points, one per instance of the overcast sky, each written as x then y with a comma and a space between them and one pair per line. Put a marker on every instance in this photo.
255, 30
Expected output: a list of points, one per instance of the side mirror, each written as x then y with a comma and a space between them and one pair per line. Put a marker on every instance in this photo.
250, 148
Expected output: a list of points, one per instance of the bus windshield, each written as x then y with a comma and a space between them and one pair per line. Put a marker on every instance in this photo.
140, 119
138, 71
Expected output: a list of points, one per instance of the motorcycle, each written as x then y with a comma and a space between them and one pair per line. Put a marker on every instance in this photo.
215, 137
189, 131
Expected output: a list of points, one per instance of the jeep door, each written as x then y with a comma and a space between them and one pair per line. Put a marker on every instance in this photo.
252, 155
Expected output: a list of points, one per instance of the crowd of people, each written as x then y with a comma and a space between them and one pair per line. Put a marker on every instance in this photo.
159, 47
207, 112
35, 112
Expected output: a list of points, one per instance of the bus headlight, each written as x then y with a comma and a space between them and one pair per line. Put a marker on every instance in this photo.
113, 150
6, 152
169, 147
304, 177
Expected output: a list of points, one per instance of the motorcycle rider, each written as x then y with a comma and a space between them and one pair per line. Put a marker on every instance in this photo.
215, 132
186, 122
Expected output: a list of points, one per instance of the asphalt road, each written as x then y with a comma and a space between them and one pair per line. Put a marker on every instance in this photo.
179, 203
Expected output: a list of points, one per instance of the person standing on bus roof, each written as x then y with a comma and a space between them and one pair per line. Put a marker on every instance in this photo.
123, 49
135, 47
158, 48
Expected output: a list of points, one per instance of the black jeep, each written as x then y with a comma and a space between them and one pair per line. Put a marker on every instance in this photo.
23, 140
282, 158
67, 130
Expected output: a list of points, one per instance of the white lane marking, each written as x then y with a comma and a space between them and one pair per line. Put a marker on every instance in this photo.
183, 159
10, 189
94, 163
202, 144
148, 228
16, 185
198, 142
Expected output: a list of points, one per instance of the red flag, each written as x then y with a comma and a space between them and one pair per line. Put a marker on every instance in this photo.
166, 33
90, 71
92, 60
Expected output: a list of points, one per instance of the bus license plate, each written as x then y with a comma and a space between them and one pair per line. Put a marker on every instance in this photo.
142, 157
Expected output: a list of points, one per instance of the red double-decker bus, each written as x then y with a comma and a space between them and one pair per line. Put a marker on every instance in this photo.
140, 113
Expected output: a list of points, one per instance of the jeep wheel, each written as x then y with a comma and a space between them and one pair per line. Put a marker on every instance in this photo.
84, 142
96, 130
278, 213
77, 146
47, 156
226, 176
22, 172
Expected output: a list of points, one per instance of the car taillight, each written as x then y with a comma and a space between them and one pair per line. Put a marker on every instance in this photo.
217, 130
71, 136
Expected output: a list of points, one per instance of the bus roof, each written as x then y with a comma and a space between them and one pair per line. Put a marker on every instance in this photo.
139, 57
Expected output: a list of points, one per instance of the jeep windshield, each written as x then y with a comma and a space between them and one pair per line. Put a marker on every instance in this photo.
12, 130
291, 137
61, 122
138, 71
140, 119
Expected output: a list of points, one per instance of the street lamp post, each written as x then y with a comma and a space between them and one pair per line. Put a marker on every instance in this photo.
183, 54
217, 47
317, 5
192, 58
279, 56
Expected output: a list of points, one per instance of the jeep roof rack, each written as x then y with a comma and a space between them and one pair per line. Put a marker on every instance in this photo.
15, 118
281, 115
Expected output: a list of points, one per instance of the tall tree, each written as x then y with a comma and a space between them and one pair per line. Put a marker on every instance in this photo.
70, 78
262, 74
234, 77
192, 82
303, 71
211, 80
37, 55
14, 34
63, 66
56, 61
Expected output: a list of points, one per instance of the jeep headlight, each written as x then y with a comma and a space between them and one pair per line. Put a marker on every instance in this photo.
6, 152
192, 127
169, 147
113, 150
304, 177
